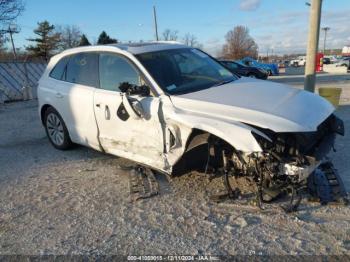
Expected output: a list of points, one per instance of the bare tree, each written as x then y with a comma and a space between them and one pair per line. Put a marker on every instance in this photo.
9, 11
239, 44
170, 35
190, 40
70, 36
173, 35
166, 34
3, 40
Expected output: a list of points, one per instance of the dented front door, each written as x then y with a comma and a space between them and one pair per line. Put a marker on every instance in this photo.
139, 139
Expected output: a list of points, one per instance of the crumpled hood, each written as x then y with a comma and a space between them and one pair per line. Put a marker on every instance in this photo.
261, 103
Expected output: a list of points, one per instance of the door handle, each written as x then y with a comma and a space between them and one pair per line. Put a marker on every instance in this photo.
98, 105
107, 113
59, 95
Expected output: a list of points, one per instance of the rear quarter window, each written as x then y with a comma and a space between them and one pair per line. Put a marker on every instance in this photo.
58, 72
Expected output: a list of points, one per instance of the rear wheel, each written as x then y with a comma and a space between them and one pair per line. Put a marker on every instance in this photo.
252, 76
56, 130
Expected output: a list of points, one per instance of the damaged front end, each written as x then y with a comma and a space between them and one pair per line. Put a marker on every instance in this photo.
286, 162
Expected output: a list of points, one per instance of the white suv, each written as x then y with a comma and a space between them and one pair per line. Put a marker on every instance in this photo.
174, 108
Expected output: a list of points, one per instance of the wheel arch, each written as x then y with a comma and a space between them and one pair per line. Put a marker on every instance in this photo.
43, 109
195, 155
237, 134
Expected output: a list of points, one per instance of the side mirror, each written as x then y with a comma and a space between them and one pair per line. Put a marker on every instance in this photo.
130, 89
133, 108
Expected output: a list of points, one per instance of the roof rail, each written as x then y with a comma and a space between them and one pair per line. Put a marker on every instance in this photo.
167, 42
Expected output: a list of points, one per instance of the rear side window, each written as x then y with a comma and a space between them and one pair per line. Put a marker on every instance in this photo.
59, 70
82, 69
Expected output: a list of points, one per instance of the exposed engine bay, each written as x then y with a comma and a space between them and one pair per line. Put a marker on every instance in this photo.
290, 164
284, 165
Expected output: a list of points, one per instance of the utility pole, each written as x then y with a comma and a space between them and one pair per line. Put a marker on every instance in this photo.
155, 22
272, 53
325, 29
312, 45
267, 55
11, 31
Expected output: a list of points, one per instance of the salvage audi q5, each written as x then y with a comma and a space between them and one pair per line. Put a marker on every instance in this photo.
173, 108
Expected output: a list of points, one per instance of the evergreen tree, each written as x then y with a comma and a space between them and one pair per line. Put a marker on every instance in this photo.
46, 42
84, 41
104, 39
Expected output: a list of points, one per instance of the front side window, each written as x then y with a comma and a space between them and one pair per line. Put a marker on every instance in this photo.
184, 70
59, 70
115, 70
82, 69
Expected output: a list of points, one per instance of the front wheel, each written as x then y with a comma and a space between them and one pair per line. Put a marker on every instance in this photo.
252, 76
56, 130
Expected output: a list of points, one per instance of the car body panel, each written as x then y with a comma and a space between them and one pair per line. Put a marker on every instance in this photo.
73, 102
260, 103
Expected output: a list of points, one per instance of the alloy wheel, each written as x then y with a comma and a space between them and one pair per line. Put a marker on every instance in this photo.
55, 129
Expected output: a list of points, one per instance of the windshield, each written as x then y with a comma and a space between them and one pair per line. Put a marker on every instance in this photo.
185, 70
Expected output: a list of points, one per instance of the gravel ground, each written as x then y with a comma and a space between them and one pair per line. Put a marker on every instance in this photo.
77, 202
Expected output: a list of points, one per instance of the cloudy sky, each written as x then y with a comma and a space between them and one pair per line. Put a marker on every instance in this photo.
278, 26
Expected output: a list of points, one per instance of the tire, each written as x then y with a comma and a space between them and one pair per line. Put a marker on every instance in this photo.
56, 130
252, 76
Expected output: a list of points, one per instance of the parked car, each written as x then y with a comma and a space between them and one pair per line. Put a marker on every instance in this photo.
300, 61
242, 70
345, 61
272, 69
334, 59
283, 63
326, 60
173, 108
